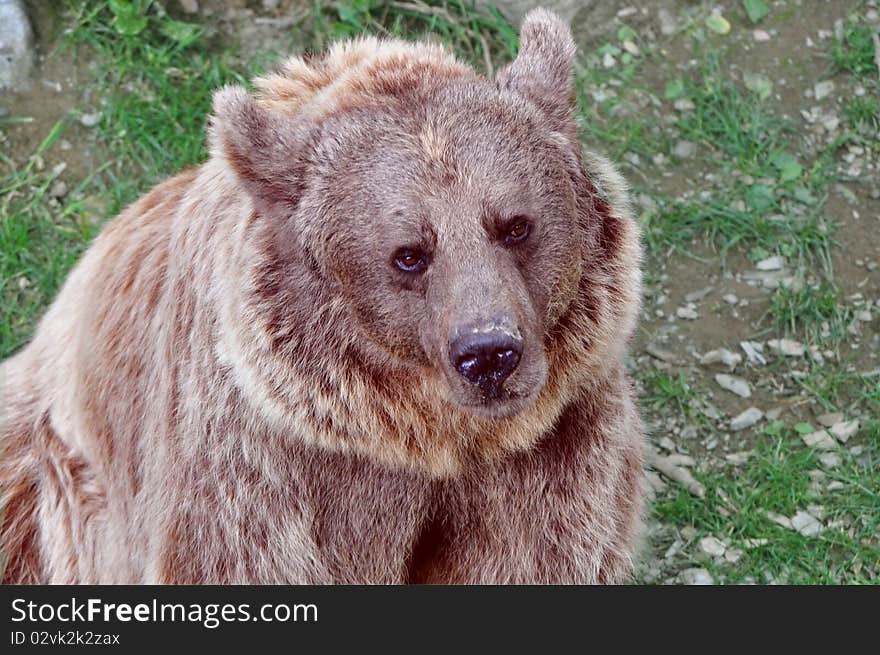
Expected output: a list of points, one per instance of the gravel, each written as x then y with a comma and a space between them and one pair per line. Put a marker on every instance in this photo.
746, 419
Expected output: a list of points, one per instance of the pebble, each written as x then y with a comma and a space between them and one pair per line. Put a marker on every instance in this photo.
739, 458
733, 555
823, 89
746, 419
712, 546
16, 46
668, 23
844, 430
608, 60
695, 296
760, 36
830, 460
695, 576
684, 104
684, 149
90, 120
58, 189
660, 353
787, 347
721, 356
806, 524
734, 384
730, 298
775, 263
687, 313
753, 351
189, 6
827, 420
819, 439
631, 48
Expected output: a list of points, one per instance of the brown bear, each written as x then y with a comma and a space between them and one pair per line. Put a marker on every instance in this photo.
376, 338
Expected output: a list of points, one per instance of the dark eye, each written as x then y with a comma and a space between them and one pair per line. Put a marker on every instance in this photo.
517, 232
409, 260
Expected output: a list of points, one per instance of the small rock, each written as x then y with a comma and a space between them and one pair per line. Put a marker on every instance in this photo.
823, 89
58, 189
830, 460
730, 298
734, 384
712, 546
695, 577
668, 23
746, 419
827, 420
631, 48
787, 347
819, 439
687, 313
608, 60
755, 543
806, 524
721, 356
684, 149
90, 120
753, 351
778, 519
189, 6
662, 354
696, 296
733, 555
760, 36
684, 104
844, 430
739, 458
864, 315
775, 263
16, 46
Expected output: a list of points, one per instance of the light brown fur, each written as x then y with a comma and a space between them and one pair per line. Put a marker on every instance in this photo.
212, 399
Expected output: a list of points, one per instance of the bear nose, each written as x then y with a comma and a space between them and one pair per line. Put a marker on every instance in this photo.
486, 359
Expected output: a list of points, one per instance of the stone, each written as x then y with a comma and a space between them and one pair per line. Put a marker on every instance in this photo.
662, 354
807, 524
746, 419
754, 352
687, 313
775, 263
668, 22
684, 149
786, 347
830, 460
721, 356
819, 439
16, 47
695, 296
712, 546
823, 89
827, 420
844, 430
734, 384
695, 576
90, 120
189, 6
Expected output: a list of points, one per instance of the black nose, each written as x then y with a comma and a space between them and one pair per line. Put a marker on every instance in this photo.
486, 359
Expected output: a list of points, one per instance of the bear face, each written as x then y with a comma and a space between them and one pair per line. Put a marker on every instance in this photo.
442, 227
454, 247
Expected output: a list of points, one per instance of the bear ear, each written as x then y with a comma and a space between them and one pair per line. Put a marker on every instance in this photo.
543, 71
264, 150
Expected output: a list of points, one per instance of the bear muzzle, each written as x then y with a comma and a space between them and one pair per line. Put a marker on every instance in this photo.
486, 356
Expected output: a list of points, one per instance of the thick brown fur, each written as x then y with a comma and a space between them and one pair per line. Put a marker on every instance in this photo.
234, 384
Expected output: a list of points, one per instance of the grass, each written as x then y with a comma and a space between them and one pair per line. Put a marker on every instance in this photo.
754, 188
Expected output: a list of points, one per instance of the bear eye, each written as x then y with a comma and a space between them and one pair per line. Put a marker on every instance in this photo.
517, 232
410, 260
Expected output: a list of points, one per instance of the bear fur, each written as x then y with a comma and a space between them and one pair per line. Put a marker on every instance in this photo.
235, 384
